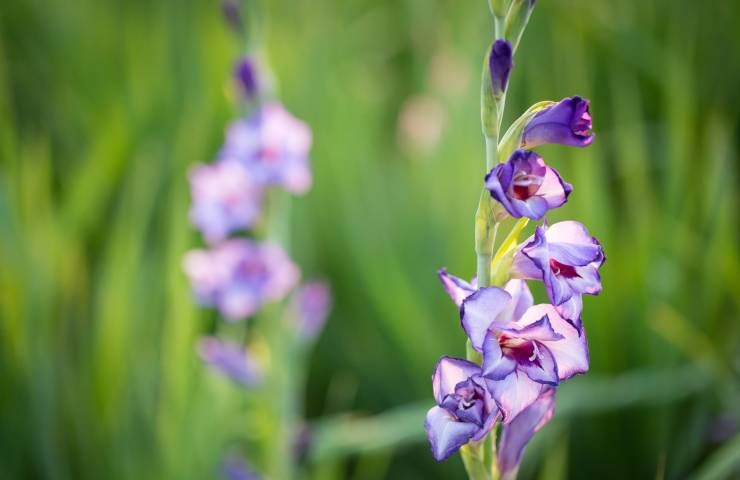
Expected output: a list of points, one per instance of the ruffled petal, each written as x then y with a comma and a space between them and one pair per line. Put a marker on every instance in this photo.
448, 372
558, 289
522, 267
497, 183
570, 244
571, 310
496, 366
521, 300
531, 326
571, 352
534, 207
554, 190
479, 310
445, 433
546, 370
587, 281
514, 393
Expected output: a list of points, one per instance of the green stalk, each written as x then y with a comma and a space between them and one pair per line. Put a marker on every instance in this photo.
486, 222
472, 457
282, 395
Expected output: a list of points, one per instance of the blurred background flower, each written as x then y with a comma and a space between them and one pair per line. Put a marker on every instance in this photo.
106, 106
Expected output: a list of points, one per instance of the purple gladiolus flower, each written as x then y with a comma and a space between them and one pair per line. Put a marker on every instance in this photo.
246, 76
516, 435
230, 359
500, 64
464, 412
274, 146
567, 259
526, 186
567, 123
311, 305
238, 276
225, 199
235, 468
525, 348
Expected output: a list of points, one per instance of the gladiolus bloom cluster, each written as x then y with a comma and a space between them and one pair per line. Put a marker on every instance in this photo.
520, 350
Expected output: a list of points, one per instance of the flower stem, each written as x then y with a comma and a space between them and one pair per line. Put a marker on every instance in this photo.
485, 234
495, 474
283, 390
472, 457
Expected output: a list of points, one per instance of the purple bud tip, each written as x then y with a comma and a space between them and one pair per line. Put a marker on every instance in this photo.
232, 15
500, 64
246, 75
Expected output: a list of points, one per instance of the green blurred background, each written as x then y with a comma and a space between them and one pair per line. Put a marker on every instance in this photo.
105, 105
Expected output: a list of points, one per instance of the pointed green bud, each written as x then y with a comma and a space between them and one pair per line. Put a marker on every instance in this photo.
516, 21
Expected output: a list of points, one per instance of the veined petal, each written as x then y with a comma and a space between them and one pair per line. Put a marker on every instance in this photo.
514, 393
587, 281
516, 435
490, 421
479, 310
571, 309
497, 182
545, 370
523, 267
534, 207
558, 289
554, 189
445, 433
448, 373
571, 352
521, 300
496, 366
457, 288
530, 327
570, 243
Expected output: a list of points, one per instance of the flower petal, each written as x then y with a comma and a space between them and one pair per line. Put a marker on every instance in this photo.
445, 433
554, 189
516, 435
496, 365
570, 353
448, 372
514, 393
500, 64
571, 309
567, 123
530, 327
479, 310
521, 300
547, 370
457, 288
523, 267
570, 243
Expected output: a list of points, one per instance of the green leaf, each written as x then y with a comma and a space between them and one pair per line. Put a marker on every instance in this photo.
721, 464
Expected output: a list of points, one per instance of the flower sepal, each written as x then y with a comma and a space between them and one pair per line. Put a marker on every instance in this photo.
512, 139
